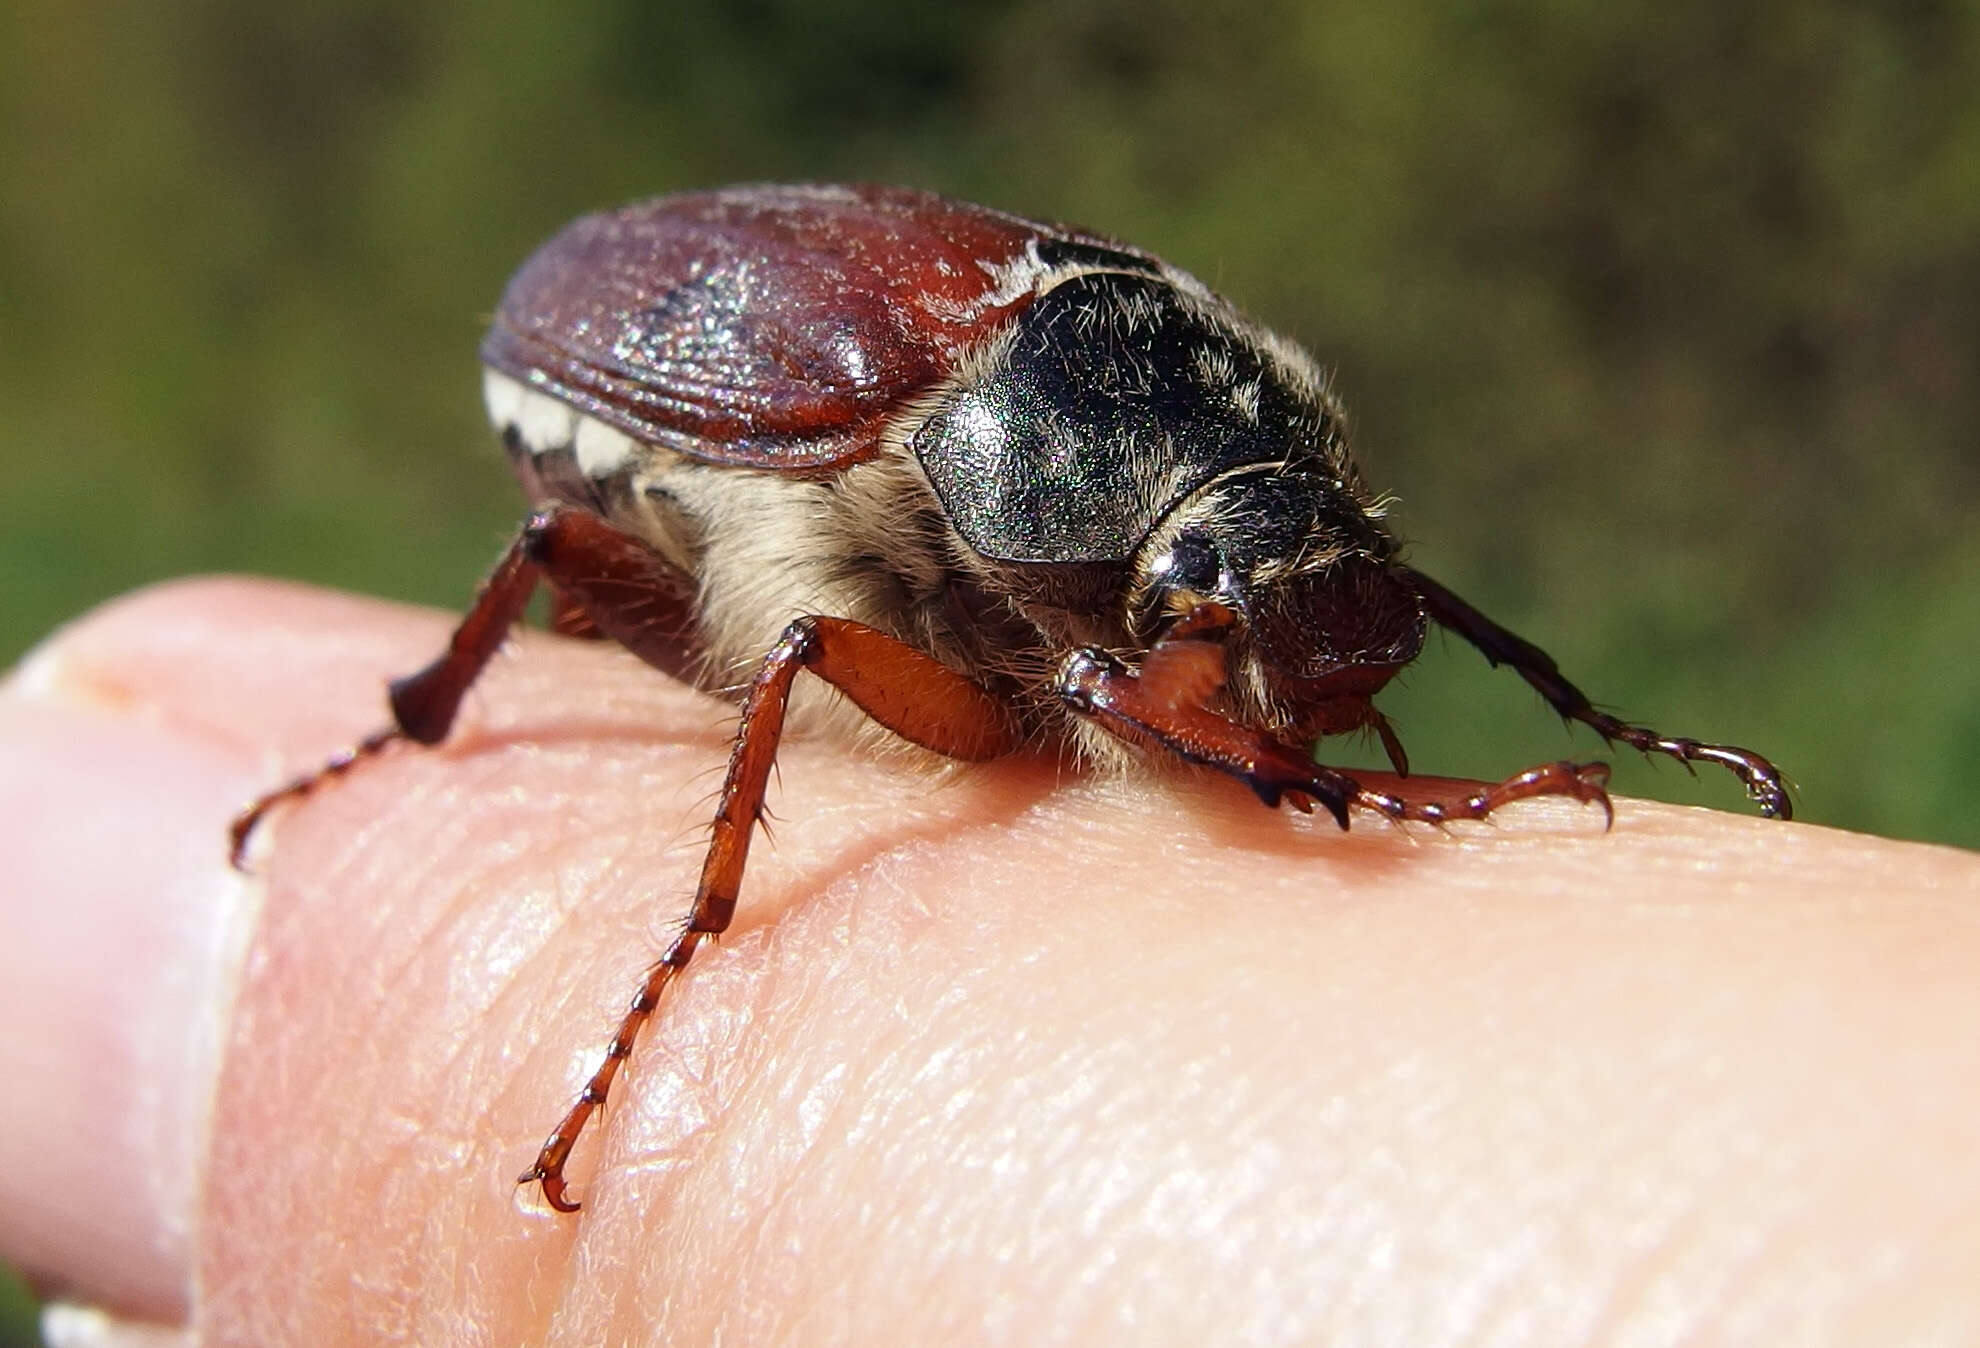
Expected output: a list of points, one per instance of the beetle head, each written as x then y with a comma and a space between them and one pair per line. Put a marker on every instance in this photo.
1326, 619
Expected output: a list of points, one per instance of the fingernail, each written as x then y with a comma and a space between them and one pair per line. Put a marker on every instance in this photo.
69, 1326
125, 931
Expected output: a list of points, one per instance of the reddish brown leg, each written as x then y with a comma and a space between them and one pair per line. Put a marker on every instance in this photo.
905, 690
618, 587
243, 825
568, 619
621, 586
1165, 704
1760, 777
1586, 782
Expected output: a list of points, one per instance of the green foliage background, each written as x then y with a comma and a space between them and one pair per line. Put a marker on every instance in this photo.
1662, 319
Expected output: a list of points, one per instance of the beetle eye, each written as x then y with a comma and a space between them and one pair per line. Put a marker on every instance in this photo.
1192, 563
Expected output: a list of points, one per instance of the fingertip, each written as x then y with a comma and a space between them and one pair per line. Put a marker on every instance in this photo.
125, 932
131, 736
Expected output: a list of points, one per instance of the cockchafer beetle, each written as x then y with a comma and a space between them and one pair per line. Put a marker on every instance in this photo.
1000, 483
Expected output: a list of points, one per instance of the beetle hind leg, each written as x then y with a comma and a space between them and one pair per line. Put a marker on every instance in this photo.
607, 583
423, 704
242, 828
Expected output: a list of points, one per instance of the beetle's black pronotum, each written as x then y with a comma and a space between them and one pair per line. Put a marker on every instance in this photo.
998, 482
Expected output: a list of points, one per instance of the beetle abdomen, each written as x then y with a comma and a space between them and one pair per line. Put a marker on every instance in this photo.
558, 452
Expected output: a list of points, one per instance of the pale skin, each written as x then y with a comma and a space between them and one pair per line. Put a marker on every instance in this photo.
1001, 1057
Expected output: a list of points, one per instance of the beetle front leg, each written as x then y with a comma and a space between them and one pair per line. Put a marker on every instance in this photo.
904, 689
1164, 704
1761, 778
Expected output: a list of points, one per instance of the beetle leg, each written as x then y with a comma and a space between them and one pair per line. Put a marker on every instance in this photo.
568, 619
1760, 777
1165, 704
904, 689
1585, 782
430, 697
618, 586
250, 816
1391, 745
623, 590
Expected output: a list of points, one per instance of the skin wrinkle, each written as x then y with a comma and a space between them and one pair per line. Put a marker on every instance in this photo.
1064, 1101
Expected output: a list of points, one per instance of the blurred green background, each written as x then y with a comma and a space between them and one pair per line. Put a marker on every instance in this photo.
1662, 319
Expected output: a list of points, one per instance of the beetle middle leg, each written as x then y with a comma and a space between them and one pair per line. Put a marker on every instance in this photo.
1165, 704
904, 689
1761, 778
